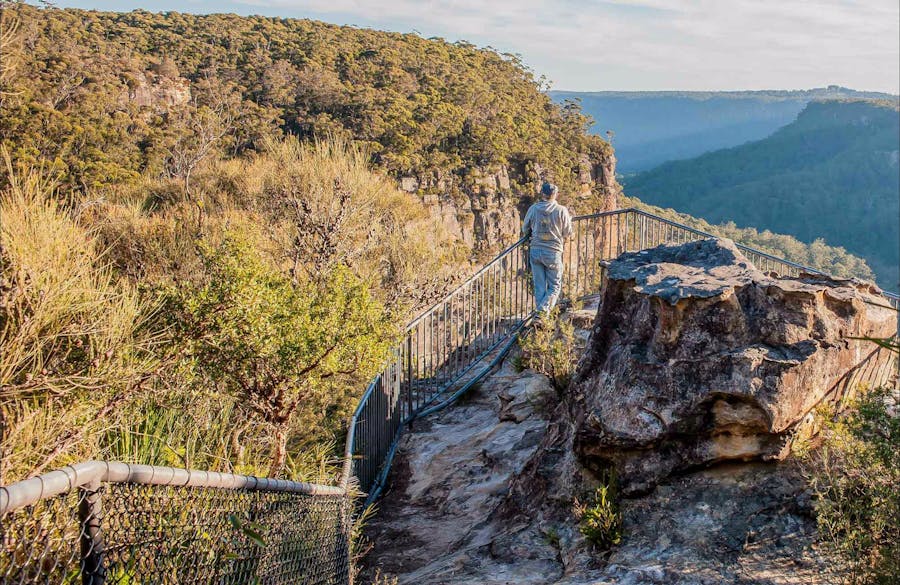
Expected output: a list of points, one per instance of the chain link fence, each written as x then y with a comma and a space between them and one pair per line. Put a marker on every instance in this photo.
111, 523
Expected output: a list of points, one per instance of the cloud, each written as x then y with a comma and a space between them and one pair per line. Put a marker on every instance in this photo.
656, 44
634, 44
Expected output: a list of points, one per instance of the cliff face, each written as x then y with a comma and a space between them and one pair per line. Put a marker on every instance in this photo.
157, 93
485, 207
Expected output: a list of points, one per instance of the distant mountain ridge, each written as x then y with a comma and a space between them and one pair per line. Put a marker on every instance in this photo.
651, 128
834, 173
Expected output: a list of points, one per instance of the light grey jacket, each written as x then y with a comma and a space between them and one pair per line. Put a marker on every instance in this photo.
549, 224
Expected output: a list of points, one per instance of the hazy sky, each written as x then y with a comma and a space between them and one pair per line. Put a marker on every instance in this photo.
631, 45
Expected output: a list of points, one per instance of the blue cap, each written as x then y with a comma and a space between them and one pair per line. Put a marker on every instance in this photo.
549, 189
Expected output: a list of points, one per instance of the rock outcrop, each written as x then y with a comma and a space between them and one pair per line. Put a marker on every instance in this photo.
694, 357
485, 207
697, 357
483, 493
156, 93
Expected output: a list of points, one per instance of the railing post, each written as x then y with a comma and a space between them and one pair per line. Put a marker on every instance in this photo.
409, 379
90, 514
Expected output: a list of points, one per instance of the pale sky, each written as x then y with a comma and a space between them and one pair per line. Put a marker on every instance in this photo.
597, 45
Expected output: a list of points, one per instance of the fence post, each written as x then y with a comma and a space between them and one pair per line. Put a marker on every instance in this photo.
90, 514
409, 378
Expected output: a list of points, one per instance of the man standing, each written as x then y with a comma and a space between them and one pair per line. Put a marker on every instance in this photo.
548, 224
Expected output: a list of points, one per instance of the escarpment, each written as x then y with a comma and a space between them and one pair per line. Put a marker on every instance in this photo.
484, 206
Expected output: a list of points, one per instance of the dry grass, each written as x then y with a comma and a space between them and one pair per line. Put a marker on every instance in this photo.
72, 335
81, 376
311, 206
327, 194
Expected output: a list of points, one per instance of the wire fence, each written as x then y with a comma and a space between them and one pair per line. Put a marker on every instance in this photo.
101, 523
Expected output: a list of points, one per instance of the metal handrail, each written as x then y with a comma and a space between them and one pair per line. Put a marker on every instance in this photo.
599, 236
454, 347
456, 290
30, 491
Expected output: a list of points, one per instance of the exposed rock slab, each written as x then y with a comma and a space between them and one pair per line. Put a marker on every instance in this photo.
451, 475
482, 493
697, 357
740, 524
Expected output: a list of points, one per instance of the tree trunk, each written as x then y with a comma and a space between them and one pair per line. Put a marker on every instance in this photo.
237, 448
279, 453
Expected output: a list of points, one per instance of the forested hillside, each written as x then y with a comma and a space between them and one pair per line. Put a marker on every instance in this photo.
654, 127
832, 174
205, 253
111, 96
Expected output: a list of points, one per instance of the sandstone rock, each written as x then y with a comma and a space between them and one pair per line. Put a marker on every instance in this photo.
409, 184
604, 174
503, 179
742, 523
157, 93
482, 492
485, 207
697, 357
524, 396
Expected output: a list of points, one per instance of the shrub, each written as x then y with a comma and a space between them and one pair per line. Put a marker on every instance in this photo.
855, 476
339, 211
549, 348
600, 518
73, 346
289, 353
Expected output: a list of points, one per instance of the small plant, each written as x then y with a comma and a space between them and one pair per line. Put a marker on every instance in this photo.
382, 579
601, 519
854, 477
552, 537
549, 348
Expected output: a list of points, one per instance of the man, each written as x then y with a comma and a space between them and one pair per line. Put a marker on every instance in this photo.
548, 224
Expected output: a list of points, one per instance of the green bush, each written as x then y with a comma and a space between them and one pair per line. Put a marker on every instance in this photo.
600, 518
288, 352
549, 348
855, 477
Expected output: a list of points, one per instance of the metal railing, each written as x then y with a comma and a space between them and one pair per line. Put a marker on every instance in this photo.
110, 523
103, 522
443, 344
439, 347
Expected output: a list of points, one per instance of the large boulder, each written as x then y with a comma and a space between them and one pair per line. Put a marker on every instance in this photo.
697, 357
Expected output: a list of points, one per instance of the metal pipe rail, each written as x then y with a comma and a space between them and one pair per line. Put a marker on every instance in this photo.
104, 522
442, 344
